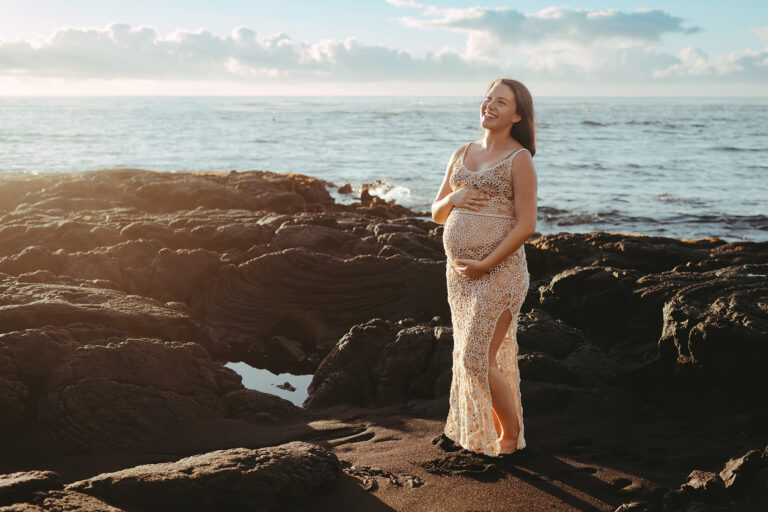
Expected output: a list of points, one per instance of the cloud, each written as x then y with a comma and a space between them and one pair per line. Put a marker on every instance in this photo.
405, 3
751, 65
510, 27
761, 32
596, 65
120, 51
563, 48
606, 46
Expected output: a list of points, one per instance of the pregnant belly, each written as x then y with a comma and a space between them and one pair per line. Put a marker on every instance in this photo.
470, 236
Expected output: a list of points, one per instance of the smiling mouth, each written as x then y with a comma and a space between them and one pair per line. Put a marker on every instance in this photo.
489, 116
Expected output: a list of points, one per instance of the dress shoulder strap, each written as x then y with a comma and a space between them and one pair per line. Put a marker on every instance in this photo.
512, 154
464, 154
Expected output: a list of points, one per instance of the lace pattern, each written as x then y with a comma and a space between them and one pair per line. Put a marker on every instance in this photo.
477, 304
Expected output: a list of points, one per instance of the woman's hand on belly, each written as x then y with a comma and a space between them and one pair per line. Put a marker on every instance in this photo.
471, 269
470, 198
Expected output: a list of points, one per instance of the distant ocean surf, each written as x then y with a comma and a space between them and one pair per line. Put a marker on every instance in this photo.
685, 168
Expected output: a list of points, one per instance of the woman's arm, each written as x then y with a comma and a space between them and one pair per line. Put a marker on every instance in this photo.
524, 183
442, 205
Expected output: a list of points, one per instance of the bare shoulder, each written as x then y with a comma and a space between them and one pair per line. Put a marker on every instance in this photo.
459, 151
522, 159
523, 170
455, 157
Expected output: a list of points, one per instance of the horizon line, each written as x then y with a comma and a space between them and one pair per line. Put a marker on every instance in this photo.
687, 96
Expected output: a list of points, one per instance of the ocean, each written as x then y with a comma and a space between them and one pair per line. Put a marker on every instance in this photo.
685, 168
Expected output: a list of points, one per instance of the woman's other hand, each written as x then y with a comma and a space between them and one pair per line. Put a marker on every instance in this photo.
471, 269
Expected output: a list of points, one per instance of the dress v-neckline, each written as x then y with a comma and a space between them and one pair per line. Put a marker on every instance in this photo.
489, 168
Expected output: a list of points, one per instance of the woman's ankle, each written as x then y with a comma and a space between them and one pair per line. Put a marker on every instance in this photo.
509, 438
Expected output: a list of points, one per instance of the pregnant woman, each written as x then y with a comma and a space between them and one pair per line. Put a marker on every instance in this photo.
488, 203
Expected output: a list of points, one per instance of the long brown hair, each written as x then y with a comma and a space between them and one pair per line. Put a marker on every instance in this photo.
524, 130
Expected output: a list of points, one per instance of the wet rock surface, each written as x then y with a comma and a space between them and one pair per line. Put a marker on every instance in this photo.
235, 479
741, 484
123, 293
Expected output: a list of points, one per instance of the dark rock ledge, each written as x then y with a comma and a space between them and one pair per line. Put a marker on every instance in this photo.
123, 292
237, 479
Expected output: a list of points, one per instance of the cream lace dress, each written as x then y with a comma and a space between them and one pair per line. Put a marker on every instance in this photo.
477, 304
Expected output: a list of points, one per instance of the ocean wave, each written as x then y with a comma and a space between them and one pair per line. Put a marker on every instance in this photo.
711, 223
685, 200
735, 148
657, 123
591, 218
551, 210
387, 191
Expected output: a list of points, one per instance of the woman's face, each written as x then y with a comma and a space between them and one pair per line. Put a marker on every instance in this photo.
498, 110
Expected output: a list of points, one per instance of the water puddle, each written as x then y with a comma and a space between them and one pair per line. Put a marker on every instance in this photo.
267, 382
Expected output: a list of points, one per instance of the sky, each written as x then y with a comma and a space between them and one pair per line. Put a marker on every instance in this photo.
382, 47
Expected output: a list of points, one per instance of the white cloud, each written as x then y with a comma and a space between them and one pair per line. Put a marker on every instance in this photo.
606, 46
509, 27
404, 3
572, 49
749, 65
761, 32
119, 51
693, 61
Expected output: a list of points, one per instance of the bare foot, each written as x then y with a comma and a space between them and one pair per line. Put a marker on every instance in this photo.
507, 446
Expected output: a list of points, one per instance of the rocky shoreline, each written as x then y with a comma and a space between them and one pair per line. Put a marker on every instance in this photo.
124, 293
